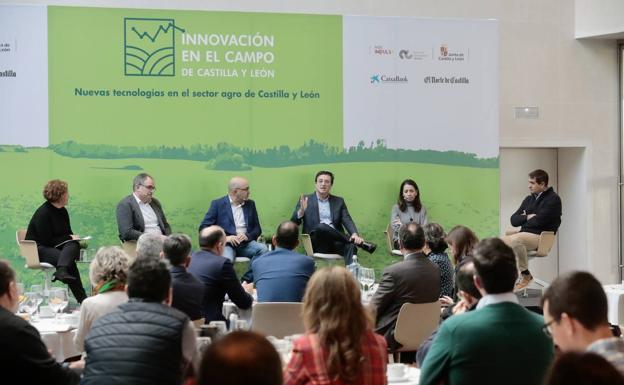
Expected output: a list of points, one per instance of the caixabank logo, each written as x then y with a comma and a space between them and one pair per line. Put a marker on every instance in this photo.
149, 46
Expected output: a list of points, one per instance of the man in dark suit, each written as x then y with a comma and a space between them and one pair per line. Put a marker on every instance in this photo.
325, 217
539, 211
218, 276
24, 356
236, 214
281, 275
415, 280
188, 291
140, 212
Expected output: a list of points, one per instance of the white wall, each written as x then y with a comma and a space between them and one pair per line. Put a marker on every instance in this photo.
599, 18
573, 82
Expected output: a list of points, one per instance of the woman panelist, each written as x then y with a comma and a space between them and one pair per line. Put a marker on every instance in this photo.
50, 228
407, 209
339, 346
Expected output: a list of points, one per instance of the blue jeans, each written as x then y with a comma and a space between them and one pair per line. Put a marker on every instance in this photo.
250, 250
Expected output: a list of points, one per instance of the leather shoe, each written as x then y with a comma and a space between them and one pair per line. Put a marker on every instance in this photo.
368, 246
62, 275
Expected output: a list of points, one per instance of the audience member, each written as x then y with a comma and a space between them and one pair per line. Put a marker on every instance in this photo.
217, 274
236, 214
188, 291
281, 275
108, 273
415, 280
140, 212
143, 341
435, 250
575, 368
575, 314
150, 245
241, 358
325, 217
56, 242
469, 296
499, 342
461, 242
407, 209
539, 211
25, 359
339, 346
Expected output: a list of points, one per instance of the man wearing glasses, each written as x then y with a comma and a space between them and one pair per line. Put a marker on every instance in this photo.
140, 212
236, 214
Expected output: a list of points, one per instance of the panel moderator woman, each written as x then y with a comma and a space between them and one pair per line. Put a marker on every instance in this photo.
339, 346
407, 209
50, 228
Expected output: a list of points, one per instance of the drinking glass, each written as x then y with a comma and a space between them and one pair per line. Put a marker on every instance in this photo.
30, 304
367, 278
58, 300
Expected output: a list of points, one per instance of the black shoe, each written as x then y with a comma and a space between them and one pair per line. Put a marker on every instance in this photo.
62, 275
368, 246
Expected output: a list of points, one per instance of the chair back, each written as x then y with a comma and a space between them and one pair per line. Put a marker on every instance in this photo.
545, 243
28, 249
278, 319
416, 322
307, 244
390, 241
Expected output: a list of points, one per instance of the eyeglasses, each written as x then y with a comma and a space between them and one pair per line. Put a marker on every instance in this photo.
150, 187
244, 189
547, 329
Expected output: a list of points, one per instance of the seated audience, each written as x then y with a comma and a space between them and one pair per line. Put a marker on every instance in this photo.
281, 275
150, 245
217, 274
583, 369
143, 341
575, 313
188, 291
407, 209
56, 242
468, 295
241, 358
140, 213
25, 358
435, 250
339, 346
461, 241
415, 280
108, 273
500, 341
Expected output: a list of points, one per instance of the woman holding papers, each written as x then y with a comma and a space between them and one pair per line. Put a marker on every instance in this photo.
56, 242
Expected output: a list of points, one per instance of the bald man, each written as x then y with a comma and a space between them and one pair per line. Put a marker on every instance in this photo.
236, 214
217, 274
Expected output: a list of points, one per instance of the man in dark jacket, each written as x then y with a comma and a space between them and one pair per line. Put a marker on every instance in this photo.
24, 357
144, 341
539, 211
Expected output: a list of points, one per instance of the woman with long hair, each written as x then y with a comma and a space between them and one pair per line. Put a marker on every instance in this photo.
407, 209
339, 346
56, 242
461, 242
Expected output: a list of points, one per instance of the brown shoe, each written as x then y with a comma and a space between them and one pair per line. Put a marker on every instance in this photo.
522, 282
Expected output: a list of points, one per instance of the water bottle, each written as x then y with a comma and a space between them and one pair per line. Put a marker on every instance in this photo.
233, 320
354, 268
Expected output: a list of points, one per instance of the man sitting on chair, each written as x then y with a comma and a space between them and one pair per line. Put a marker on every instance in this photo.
539, 211
324, 216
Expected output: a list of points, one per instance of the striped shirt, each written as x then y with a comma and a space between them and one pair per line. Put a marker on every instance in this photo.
612, 349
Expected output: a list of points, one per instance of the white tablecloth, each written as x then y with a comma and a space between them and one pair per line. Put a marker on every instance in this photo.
412, 378
58, 337
615, 299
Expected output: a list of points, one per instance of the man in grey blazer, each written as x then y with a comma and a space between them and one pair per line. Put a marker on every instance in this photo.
140, 212
325, 217
415, 280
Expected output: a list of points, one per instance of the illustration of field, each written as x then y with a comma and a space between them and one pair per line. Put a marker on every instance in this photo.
452, 195
149, 46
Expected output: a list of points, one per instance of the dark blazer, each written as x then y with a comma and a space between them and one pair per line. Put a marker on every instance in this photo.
130, 219
547, 210
281, 275
25, 358
414, 280
220, 213
188, 292
341, 219
219, 278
